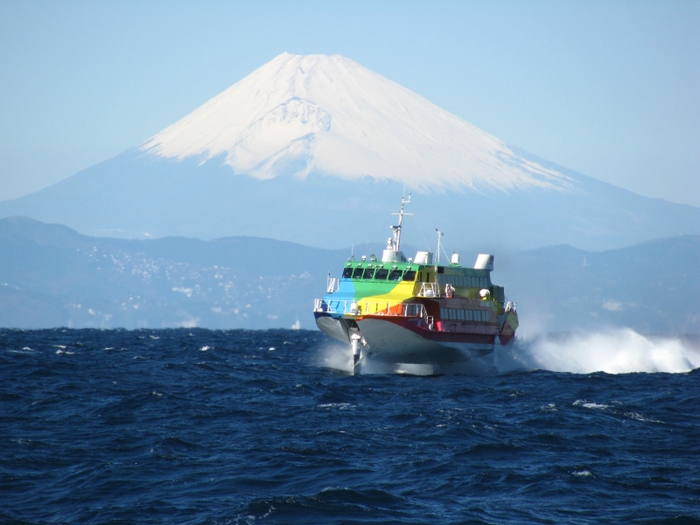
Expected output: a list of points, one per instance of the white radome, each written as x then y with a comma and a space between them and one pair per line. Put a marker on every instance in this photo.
327, 114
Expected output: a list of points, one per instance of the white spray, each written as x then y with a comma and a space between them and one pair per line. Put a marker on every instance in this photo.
614, 351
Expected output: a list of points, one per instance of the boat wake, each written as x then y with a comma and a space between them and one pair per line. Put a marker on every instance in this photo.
614, 351
339, 357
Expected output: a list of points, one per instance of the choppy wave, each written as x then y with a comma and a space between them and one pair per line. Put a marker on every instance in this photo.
147, 426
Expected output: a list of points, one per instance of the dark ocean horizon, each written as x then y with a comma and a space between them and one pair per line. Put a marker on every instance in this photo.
194, 426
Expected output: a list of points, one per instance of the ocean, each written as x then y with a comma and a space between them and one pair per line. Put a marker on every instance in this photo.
194, 426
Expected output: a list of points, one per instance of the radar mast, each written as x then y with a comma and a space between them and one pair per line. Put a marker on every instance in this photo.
397, 229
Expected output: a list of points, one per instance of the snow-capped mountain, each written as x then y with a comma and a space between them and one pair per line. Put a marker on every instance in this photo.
318, 150
327, 114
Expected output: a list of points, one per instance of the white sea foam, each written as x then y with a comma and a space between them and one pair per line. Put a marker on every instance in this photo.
336, 356
339, 357
615, 351
25, 350
586, 404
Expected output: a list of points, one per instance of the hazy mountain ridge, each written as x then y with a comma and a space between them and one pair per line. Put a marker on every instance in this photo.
651, 287
77, 280
51, 275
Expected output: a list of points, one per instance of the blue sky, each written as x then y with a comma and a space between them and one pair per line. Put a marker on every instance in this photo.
609, 89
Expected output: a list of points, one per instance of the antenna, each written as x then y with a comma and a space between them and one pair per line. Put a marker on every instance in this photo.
397, 229
439, 234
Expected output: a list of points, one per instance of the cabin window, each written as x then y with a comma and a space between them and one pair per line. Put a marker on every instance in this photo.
368, 274
395, 275
469, 315
357, 274
441, 279
409, 276
443, 313
347, 273
460, 315
381, 274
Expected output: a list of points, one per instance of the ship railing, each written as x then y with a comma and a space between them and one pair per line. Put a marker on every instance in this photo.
332, 285
429, 290
349, 307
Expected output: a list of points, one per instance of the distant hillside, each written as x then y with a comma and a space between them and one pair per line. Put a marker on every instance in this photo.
652, 287
51, 275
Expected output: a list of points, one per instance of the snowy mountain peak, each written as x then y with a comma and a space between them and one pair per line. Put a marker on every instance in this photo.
327, 114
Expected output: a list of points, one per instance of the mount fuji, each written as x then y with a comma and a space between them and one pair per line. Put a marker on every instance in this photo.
318, 150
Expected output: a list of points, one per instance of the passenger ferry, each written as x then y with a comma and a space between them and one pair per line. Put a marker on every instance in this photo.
416, 311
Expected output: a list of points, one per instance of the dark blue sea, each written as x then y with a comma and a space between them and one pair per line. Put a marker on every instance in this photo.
191, 426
